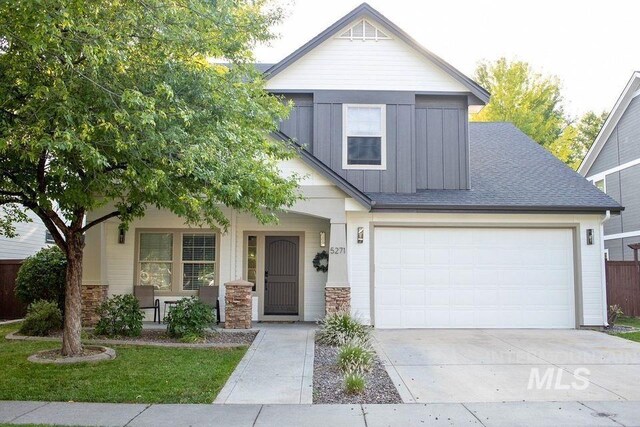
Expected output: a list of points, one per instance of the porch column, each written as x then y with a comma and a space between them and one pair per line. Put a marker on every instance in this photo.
337, 291
94, 274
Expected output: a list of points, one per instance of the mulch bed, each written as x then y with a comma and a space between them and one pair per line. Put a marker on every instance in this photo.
328, 386
57, 354
160, 337
157, 336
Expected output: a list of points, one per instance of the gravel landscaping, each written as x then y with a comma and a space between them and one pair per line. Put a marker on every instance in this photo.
328, 384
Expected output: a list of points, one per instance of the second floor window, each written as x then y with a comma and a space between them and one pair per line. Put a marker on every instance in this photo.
364, 137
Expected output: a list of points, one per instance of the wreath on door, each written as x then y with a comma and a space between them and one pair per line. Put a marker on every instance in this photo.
321, 261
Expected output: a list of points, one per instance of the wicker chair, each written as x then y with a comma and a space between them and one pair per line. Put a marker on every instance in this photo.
147, 300
209, 296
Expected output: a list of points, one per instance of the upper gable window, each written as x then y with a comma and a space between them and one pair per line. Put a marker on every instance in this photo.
364, 30
364, 136
600, 184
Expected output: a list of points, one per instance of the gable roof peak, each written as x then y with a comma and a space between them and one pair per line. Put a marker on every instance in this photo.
366, 11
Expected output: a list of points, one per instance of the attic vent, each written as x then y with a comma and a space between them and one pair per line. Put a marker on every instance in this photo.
364, 30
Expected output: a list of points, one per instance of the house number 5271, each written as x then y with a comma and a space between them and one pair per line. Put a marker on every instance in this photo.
335, 250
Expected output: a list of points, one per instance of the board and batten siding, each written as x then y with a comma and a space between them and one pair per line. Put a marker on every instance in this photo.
589, 256
30, 239
427, 140
339, 64
622, 146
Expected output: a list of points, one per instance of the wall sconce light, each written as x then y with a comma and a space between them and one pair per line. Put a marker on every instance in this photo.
360, 234
323, 239
121, 235
589, 236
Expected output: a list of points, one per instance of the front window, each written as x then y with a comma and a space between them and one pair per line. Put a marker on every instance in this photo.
162, 254
364, 136
252, 259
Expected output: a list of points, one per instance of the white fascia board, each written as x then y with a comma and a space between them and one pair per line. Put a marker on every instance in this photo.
602, 175
622, 235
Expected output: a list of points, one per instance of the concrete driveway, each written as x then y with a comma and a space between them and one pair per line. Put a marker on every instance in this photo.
439, 366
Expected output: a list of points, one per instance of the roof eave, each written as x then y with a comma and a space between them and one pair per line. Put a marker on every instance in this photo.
365, 10
382, 207
610, 124
326, 171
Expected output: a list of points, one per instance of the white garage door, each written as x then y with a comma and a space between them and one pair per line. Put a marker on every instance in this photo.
473, 278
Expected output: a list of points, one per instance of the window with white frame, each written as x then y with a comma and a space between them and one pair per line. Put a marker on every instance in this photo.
176, 262
364, 136
601, 185
364, 30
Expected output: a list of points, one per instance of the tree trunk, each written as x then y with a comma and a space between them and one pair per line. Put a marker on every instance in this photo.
71, 344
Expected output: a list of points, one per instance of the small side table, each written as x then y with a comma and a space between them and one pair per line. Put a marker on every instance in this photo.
167, 305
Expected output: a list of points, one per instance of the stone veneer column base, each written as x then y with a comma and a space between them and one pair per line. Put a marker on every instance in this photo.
337, 299
237, 297
92, 297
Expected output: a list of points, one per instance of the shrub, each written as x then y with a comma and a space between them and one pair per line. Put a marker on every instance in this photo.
120, 316
340, 328
354, 383
42, 318
42, 277
355, 356
189, 317
615, 311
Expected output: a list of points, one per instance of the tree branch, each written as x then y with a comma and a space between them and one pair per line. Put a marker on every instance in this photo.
42, 182
99, 220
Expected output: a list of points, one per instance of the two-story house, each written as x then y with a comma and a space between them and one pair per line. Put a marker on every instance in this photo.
613, 165
429, 220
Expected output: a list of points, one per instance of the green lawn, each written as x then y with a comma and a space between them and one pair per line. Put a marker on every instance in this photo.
138, 374
633, 336
628, 321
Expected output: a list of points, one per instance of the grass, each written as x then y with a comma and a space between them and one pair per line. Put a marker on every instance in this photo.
137, 375
628, 321
633, 336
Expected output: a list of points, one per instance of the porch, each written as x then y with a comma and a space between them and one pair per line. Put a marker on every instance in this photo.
161, 250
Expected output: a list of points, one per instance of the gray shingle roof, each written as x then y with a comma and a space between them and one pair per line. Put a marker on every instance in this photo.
508, 172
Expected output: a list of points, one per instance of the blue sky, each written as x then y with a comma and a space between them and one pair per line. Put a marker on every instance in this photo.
592, 46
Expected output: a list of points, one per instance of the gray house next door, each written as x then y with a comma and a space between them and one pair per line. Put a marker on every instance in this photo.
281, 285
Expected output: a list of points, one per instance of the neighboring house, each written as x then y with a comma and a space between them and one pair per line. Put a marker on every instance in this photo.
31, 237
430, 221
613, 165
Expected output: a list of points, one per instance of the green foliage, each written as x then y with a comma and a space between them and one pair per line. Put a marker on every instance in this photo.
189, 318
43, 317
355, 356
120, 315
339, 328
42, 277
523, 97
354, 383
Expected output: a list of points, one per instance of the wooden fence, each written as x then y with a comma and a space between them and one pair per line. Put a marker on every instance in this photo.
623, 286
10, 306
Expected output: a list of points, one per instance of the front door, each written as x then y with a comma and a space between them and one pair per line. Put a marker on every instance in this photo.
281, 282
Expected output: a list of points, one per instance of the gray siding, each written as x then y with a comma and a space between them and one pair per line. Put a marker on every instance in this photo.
622, 147
442, 143
427, 138
299, 124
624, 143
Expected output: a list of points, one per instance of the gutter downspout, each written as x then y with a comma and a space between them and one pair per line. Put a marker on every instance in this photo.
603, 273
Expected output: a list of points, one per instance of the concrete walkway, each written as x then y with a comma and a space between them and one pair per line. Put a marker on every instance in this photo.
277, 368
618, 413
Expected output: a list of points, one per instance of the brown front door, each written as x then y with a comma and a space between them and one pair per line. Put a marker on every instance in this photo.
281, 276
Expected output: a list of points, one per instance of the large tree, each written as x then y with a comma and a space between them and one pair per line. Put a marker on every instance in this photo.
519, 95
120, 103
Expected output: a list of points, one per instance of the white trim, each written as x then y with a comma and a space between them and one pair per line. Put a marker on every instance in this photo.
622, 235
379, 34
383, 137
610, 124
636, 93
601, 175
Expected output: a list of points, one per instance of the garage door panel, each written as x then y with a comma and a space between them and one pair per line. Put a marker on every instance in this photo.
447, 277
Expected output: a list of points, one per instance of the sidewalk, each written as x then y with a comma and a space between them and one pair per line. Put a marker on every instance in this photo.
614, 413
277, 368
